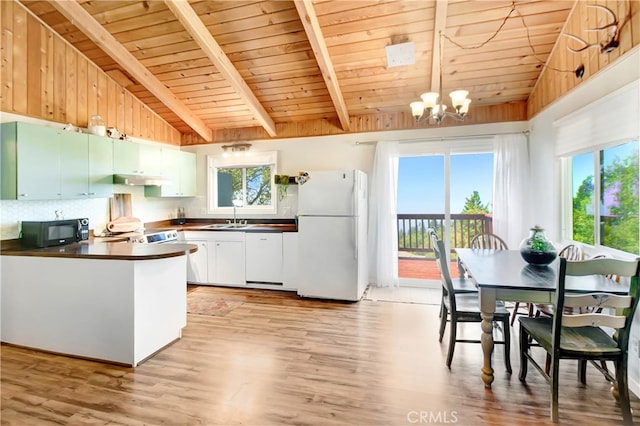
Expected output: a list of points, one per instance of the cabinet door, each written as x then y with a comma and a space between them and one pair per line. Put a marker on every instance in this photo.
264, 257
74, 165
198, 263
178, 167
150, 163
187, 167
100, 167
38, 163
171, 172
229, 262
126, 157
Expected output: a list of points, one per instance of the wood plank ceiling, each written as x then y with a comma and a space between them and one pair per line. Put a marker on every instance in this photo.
206, 66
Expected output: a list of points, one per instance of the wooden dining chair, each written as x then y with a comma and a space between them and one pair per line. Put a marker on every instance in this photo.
494, 242
461, 284
488, 241
582, 336
464, 308
571, 252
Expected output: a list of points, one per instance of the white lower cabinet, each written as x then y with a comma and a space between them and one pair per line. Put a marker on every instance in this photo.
258, 259
198, 263
219, 259
264, 257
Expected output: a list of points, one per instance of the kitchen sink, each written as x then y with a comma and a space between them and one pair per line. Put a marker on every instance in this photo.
227, 226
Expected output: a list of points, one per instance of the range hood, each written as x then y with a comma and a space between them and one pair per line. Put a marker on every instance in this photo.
123, 179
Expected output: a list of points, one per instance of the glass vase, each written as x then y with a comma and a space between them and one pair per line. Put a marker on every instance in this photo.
536, 249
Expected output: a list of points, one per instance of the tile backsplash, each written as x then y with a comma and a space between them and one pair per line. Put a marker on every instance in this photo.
13, 212
147, 209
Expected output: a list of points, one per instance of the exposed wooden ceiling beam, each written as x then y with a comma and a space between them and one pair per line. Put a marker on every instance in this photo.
316, 39
103, 39
198, 30
439, 26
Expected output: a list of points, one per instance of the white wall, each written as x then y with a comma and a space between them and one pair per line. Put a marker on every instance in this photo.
294, 155
546, 168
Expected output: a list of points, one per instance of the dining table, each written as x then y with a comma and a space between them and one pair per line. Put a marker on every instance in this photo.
504, 275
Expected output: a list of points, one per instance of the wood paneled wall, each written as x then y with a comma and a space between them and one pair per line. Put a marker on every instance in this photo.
515, 111
558, 78
45, 77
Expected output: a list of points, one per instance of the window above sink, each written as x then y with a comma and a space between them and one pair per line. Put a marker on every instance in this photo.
247, 178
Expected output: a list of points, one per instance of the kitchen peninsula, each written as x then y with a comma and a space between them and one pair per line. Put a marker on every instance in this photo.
114, 302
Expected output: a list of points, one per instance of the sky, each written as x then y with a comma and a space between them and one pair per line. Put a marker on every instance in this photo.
421, 182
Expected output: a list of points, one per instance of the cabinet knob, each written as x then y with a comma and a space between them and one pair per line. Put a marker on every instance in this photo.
83, 193
24, 195
92, 193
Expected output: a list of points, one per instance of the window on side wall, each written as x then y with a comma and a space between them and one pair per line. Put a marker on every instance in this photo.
245, 181
605, 197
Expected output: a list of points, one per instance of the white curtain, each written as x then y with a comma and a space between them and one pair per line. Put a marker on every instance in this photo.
383, 232
511, 193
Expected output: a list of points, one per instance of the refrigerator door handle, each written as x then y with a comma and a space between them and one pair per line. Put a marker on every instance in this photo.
355, 235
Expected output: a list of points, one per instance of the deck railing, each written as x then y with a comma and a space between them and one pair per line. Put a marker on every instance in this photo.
413, 236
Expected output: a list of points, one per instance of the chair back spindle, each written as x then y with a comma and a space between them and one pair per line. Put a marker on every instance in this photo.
488, 241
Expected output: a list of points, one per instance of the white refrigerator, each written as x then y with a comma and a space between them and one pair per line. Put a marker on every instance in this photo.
332, 235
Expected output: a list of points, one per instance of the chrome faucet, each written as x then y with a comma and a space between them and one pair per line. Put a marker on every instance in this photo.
236, 203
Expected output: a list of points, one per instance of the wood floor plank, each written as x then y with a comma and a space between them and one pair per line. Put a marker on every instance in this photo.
278, 359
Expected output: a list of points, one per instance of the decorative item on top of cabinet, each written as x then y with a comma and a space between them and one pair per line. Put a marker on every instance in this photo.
96, 126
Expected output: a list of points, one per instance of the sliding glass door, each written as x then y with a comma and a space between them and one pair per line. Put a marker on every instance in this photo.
451, 193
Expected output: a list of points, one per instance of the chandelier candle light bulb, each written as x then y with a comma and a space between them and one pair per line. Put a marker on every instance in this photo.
435, 111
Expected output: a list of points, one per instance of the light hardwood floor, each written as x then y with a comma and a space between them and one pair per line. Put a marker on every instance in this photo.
278, 359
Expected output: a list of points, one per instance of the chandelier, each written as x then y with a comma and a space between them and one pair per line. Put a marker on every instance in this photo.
430, 109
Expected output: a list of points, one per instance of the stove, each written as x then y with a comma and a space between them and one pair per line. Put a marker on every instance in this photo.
156, 237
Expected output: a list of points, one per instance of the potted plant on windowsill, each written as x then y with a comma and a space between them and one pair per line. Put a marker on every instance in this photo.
283, 184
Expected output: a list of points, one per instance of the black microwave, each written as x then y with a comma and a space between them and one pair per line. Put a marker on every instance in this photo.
39, 234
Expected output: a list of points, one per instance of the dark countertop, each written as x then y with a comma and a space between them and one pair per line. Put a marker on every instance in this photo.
117, 247
253, 225
110, 251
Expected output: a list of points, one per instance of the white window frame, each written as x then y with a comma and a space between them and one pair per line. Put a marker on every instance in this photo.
566, 174
446, 148
243, 160
611, 121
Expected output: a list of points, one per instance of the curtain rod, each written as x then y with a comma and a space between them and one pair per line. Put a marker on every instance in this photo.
445, 138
